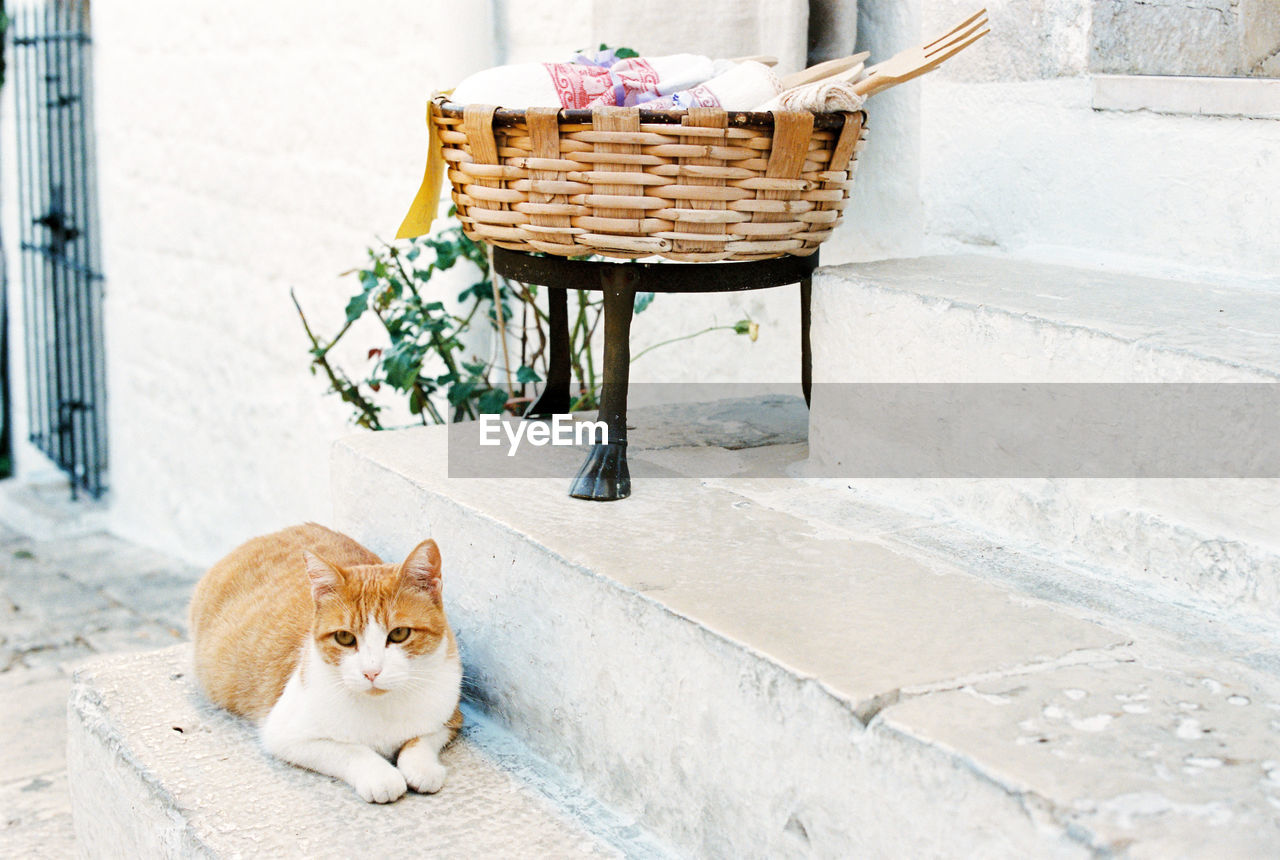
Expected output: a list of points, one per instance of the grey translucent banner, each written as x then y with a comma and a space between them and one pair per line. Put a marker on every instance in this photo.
903, 430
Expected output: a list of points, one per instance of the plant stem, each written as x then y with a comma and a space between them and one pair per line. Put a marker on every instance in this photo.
586, 342
347, 390
502, 325
654, 346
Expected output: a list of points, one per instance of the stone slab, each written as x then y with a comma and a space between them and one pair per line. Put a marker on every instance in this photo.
1235, 326
156, 770
36, 821
33, 706
976, 319
1257, 98
663, 650
1154, 752
807, 600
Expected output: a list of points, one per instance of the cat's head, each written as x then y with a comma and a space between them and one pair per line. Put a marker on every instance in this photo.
379, 625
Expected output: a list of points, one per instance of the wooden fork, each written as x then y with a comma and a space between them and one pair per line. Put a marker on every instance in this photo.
822, 70
914, 62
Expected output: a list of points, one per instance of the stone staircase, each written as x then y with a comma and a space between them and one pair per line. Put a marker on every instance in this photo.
1208, 541
764, 664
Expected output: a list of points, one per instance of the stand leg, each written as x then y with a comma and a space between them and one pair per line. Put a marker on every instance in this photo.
554, 399
604, 476
806, 350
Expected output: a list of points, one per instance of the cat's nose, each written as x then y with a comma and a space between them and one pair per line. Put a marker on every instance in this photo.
372, 674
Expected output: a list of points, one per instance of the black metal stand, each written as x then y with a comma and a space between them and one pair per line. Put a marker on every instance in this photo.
604, 476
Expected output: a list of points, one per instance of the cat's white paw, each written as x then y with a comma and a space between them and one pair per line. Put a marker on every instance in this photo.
422, 769
378, 781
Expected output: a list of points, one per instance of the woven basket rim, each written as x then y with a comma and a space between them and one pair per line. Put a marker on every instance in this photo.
504, 117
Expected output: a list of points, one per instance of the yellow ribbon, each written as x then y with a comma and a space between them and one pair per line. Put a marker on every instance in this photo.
425, 205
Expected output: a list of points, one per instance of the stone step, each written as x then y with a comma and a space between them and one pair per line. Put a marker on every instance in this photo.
758, 666
156, 771
963, 319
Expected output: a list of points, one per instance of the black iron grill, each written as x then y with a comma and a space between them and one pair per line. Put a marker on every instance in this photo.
62, 286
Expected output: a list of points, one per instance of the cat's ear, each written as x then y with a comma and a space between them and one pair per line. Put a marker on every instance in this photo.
325, 578
422, 568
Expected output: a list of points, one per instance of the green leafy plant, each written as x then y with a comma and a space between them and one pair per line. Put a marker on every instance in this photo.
426, 359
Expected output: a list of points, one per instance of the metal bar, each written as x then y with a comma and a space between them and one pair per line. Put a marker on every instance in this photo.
83, 415
604, 477
62, 333
61, 287
48, 277
50, 37
25, 122
655, 277
71, 399
94, 331
554, 399
806, 347
43, 251
38, 391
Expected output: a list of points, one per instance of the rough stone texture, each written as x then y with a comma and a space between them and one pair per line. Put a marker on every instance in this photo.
63, 600
1029, 39
1186, 37
36, 818
157, 771
60, 597
1170, 757
1032, 168
1002, 147
667, 675
1254, 98
970, 319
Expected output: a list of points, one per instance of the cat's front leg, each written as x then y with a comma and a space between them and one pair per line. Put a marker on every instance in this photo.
419, 758
374, 778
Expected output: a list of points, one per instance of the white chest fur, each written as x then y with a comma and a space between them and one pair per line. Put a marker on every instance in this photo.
324, 707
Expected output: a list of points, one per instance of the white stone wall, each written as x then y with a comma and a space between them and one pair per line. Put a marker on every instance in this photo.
246, 149
1003, 149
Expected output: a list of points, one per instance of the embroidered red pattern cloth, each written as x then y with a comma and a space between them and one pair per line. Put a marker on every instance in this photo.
625, 83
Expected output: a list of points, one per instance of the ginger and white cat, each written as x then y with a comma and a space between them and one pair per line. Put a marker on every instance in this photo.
346, 663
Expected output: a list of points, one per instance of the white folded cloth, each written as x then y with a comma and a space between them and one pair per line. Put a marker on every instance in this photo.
820, 96
583, 85
740, 87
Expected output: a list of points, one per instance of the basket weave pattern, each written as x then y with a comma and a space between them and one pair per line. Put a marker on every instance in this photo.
700, 186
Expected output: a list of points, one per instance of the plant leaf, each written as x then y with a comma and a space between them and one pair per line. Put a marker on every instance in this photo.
402, 363
492, 401
643, 300
356, 307
527, 374
460, 391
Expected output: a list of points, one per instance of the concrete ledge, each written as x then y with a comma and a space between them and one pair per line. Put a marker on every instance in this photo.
1255, 98
157, 772
747, 680
987, 319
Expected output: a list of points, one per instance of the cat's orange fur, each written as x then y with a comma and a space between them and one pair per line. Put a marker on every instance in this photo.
252, 610
270, 610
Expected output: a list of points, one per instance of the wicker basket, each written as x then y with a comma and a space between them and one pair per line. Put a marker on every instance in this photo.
699, 185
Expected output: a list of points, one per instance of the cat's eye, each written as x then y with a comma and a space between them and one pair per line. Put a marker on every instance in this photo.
399, 634
345, 638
